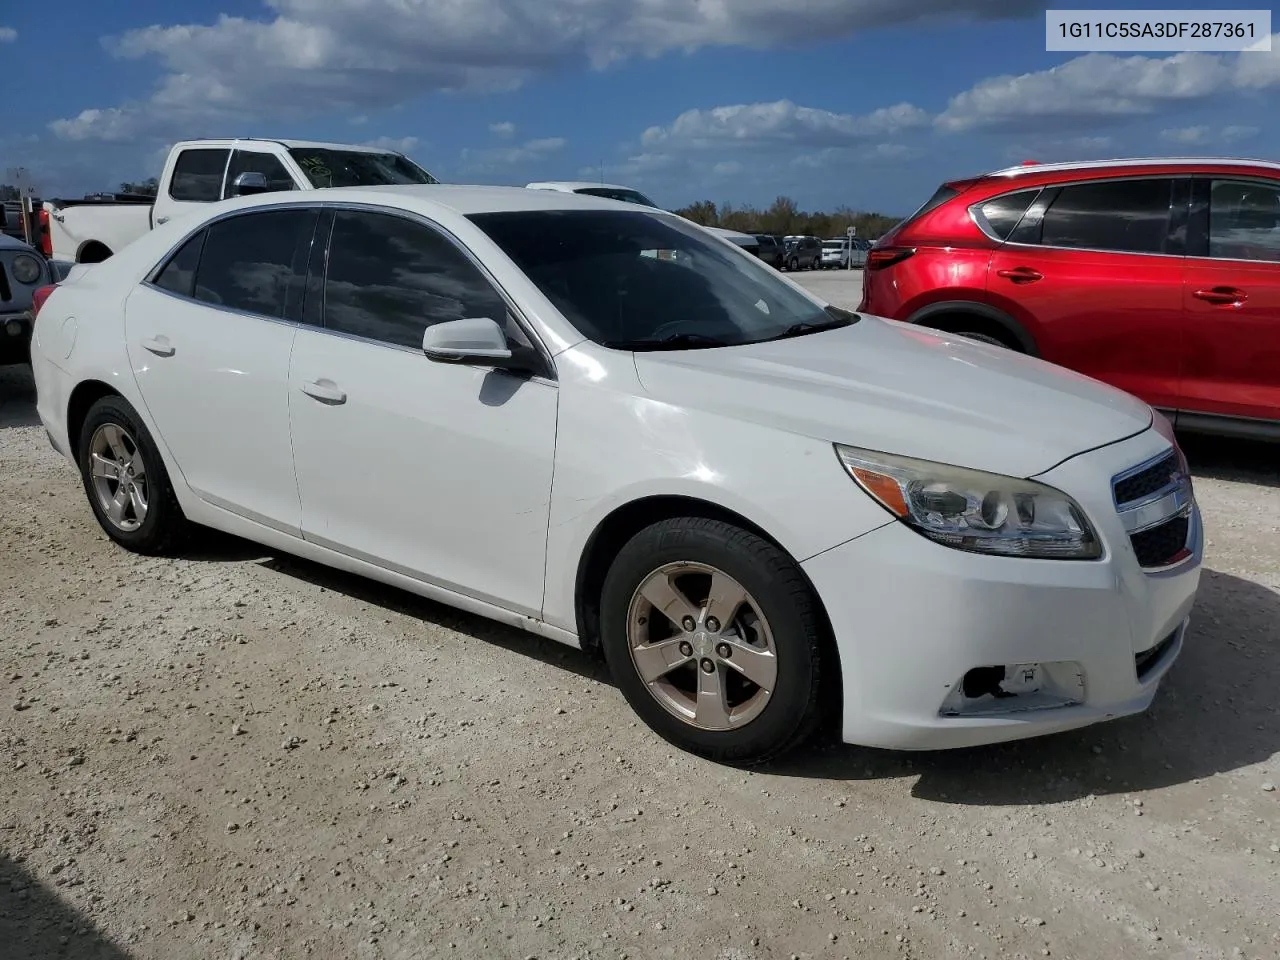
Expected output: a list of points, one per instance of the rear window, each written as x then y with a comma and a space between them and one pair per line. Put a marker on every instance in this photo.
197, 175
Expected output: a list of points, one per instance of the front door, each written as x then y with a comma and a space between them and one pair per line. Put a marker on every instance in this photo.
1094, 272
209, 341
1232, 299
192, 180
438, 471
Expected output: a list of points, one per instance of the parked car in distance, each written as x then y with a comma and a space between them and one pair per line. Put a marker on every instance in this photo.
753, 489
613, 191
802, 253
1159, 276
23, 272
859, 252
835, 253
199, 172
769, 249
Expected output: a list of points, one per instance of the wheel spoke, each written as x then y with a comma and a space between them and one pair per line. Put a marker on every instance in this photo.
118, 504
667, 599
757, 665
101, 467
139, 468
115, 440
711, 711
139, 502
725, 598
655, 660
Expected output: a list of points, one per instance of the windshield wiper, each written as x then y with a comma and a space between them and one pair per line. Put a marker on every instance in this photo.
838, 318
677, 341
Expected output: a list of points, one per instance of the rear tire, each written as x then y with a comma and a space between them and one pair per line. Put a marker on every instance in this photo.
125, 480
986, 338
697, 688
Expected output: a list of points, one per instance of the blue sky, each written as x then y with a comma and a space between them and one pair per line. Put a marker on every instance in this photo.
869, 103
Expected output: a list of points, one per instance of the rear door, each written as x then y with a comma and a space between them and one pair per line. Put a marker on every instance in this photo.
1093, 271
1232, 301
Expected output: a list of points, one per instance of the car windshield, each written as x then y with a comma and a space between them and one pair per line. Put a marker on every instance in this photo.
650, 281
618, 193
357, 168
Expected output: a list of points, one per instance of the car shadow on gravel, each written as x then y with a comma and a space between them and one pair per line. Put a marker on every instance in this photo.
17, 397
36, 923
1216, 711
1242, 461
420, 608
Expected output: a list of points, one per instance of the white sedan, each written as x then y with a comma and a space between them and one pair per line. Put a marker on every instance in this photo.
602, 424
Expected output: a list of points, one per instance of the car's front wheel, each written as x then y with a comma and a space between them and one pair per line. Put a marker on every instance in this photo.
126, 481
714, 636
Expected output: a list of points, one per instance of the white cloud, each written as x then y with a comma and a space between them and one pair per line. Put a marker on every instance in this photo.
781, 122
320, 55
531, 151
8, 35
1186, 135
726, 168
1238, 132
398, 144
506, 129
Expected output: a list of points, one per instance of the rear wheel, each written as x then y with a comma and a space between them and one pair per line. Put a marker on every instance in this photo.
125, 479
793, 264
714, 637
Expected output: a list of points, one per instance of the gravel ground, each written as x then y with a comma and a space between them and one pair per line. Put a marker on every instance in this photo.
239, 755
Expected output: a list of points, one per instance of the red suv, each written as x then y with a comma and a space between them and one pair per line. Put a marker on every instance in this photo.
1161, 277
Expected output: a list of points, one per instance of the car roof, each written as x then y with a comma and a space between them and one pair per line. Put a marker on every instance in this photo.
1137, 163
462, 199
288, 144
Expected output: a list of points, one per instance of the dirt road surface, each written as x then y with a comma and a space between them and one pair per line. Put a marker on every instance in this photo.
239, 755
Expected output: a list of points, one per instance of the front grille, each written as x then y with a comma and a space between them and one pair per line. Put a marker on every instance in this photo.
1144, 661
1159, 546
1143, 484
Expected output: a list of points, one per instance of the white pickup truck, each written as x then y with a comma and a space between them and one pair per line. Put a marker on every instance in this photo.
203, 171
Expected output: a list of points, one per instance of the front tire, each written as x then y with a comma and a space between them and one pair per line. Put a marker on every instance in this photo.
985, 338
126, 481
714, 636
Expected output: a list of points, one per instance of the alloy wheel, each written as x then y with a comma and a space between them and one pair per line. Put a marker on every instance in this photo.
119, 476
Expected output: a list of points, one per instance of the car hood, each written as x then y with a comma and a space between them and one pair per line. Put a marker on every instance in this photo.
901, 389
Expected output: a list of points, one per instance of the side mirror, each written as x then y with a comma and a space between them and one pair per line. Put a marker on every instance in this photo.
249, 183
477, 340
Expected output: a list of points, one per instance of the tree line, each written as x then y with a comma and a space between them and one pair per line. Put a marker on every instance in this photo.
785, 218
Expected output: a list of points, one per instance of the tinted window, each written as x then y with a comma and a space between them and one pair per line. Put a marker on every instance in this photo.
1244, 220
254, 262
1130, 216
626, 196
197, 175
390, 278
251, 161
179, 274
646, 280
1003, 213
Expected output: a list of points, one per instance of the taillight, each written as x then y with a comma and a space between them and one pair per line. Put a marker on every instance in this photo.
880, 257
46, 236
39, 297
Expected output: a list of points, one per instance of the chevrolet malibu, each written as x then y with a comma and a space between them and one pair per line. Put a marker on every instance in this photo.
606, 426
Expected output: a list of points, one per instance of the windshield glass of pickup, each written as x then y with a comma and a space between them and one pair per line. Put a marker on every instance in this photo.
649, 281
357, 168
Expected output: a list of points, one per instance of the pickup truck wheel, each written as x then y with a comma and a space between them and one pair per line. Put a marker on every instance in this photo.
125, 480
714, 637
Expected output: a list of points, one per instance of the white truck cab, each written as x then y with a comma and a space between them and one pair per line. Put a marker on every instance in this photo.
199, 172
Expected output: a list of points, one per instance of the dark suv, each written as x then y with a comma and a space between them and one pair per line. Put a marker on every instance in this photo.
770, 249
1161, 277
802, 253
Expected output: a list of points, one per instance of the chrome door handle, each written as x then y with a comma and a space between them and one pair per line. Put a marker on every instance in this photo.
160, 346
326, 391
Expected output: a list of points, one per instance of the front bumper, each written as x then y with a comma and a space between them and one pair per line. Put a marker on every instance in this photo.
912, 618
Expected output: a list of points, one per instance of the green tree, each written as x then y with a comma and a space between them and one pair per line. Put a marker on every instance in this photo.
9, 192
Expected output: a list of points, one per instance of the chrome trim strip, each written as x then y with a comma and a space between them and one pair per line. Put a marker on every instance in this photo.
1133, 471
1153, 514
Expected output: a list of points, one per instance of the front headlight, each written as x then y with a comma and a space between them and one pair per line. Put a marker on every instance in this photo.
975, 511
25, 269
